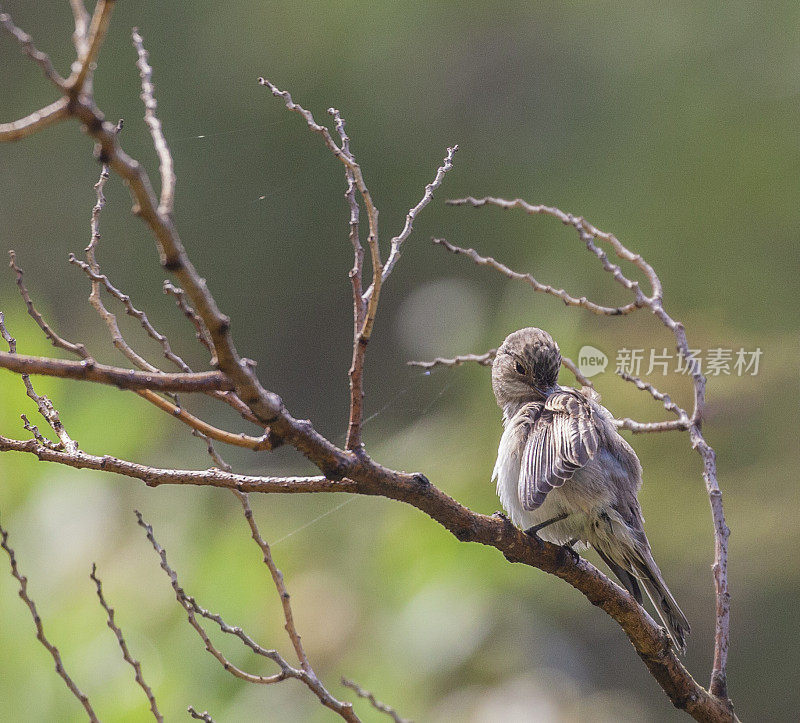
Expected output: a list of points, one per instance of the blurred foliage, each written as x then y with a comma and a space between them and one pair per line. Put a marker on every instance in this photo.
674, 125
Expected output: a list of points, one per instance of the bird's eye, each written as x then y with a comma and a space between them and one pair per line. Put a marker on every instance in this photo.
520, 369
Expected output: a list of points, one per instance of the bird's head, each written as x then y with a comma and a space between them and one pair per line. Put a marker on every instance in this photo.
525, 368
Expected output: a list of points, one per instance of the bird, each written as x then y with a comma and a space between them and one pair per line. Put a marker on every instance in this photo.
565, 475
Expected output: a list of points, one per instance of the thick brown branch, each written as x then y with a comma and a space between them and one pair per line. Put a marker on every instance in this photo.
91, 371
363, 476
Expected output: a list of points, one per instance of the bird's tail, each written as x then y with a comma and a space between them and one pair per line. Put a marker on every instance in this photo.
671, 615
626, 551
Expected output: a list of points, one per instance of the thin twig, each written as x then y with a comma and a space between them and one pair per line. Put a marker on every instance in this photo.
36, 121
374, 702
204, 716
397, 241
201, 330
95, 37
166, 165
356, 371
92, 269
55, 339
280, 585
43, 404
237, 439
123, 645
37, 621
681, 423
536, 285
192, 608
484, 360
138, 314
36, 55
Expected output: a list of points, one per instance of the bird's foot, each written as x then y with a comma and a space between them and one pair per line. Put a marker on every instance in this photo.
574, 555
534, 533
501, 516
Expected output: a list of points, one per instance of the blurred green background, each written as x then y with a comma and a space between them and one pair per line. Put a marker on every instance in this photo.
674, 125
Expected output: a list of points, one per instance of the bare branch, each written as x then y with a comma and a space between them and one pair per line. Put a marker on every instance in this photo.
166, 165
92, 371
356, 371
190, 605
36, 55
38, 436
484, 360
590, 231
366, 477
280, 586
154, 476
36, 121
374, 702
204, 716
43, 404
126, 654
37, 621
81, 35
372, 212
237, 439
345, 470
95, 37
92, 269
201, 330
682, 423
397, 241
536, 285
193, 609
55, 339
138, 314
567, 363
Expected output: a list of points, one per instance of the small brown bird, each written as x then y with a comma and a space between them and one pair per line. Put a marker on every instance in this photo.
564, 472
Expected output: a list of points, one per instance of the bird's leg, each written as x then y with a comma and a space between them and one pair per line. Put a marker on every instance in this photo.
568, 549
533, 531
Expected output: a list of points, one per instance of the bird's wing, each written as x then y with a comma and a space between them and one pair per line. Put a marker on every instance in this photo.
563, 438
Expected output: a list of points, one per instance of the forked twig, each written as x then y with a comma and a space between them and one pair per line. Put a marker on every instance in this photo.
305, 674
374, 702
